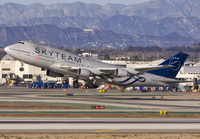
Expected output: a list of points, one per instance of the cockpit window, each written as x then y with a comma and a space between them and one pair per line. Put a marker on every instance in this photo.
21, 42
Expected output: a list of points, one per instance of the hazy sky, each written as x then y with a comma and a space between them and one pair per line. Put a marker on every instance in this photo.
101, 2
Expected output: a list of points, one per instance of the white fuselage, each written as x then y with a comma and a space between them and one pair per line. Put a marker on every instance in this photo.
50, 58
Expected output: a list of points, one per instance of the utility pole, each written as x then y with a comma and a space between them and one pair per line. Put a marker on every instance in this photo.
157, 55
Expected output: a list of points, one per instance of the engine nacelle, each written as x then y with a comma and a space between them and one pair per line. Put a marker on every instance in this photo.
84, 72
121, 72
54, 74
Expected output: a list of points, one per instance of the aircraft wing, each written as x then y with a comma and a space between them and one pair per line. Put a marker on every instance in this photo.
67, 67
135, 70
110, 71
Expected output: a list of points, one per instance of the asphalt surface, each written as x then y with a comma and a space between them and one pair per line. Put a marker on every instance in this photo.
114, 100
98, 125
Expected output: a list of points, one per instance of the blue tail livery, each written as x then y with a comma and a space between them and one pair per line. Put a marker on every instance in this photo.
177, 61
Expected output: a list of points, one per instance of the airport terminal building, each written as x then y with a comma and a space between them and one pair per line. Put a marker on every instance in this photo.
10, 70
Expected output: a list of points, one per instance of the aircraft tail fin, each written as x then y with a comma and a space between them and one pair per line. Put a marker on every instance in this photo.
177, 61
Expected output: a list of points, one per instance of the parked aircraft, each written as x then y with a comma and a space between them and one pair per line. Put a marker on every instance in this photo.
59, 63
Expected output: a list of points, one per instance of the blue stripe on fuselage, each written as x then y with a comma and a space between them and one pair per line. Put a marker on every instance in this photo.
140, 79
125, 80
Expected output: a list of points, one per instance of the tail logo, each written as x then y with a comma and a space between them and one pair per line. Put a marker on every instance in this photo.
176, 63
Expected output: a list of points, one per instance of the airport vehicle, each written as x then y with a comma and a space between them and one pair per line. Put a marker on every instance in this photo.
59, 63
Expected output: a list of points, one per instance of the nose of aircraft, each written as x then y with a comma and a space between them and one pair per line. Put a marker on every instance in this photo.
6, 49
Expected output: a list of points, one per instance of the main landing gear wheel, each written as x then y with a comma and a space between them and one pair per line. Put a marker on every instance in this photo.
75, 84
91, 85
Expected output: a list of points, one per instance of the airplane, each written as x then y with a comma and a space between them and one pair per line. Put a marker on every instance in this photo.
61, 63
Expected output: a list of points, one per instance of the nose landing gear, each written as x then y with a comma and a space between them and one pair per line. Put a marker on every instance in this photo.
21, 68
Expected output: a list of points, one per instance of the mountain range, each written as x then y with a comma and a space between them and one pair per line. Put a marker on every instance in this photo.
155, 9
130, 25
159, 22
85, 38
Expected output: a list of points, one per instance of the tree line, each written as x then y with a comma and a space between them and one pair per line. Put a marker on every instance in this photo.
159, 49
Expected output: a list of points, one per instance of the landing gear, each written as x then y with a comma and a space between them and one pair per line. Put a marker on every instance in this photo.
91, 84
75, 84
21, 68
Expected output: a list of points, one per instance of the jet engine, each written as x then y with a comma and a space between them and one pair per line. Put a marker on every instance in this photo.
54, 74
84, 72
121, 72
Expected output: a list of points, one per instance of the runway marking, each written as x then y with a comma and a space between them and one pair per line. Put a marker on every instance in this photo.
105, 130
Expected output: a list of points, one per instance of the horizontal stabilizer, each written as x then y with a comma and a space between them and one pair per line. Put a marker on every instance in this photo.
173, 81
153, 68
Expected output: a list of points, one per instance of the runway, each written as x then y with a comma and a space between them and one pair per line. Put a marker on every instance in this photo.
97, 125
29, 111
